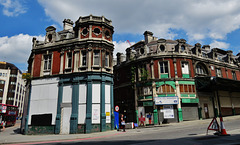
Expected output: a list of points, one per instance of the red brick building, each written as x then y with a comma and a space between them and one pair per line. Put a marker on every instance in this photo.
159, 77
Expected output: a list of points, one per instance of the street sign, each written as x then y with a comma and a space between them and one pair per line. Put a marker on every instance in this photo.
116, 108
213, 125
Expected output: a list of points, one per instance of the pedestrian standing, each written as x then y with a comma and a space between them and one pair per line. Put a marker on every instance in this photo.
3, 124
123, 122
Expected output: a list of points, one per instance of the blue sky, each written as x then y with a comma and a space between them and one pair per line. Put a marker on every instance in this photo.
215, 23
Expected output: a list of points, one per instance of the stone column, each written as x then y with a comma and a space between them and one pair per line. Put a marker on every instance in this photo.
180, 117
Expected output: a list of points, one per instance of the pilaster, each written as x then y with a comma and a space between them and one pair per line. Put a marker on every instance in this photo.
58, 116
74, 115
112, 105
89, 106
180, 118
103, 115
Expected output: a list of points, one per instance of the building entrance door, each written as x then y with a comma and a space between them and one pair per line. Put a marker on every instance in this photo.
206, 110
65, 120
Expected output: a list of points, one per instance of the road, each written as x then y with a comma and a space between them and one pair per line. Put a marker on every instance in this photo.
187, 133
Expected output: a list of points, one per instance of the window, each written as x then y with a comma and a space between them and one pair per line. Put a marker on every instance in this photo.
234, 75
49, 37
185, 69
85, 31
182, 48
96, 58
107, 33
218, 72
187, 88
1, 90
13, 83
41, 120
107, 59
166, 89
162, 47
147, 90
2, 82
200, 70
47, 62
69, 59
163, 67
96, 31
83, 58
12, 75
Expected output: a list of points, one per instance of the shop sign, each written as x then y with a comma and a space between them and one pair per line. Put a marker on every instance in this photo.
166, 100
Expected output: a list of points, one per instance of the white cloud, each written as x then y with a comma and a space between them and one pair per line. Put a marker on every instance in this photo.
16, 49
121, 47
199, 19
218, 44
12, 7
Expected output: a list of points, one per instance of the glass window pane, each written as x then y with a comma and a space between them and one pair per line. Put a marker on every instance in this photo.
190, 88
186, 88
181, 88
168, 88
163, 88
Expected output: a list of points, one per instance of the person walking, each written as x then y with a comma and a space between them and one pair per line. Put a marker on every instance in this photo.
123, 122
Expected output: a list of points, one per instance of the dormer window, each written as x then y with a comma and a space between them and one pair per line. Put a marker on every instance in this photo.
182, 48
142, 51
49, 37
199, 51
162, 47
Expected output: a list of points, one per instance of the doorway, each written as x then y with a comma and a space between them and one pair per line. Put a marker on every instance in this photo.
65, 121
206, 111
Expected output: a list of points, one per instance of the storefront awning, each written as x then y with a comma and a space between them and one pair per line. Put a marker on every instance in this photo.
209, 83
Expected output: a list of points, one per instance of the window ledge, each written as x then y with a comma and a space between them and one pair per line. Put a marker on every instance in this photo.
82, 68
67, 69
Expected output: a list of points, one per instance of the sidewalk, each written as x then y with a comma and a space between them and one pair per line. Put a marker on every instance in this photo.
11, 135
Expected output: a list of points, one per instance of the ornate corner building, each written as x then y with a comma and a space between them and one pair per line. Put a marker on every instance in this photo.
71, 87
170, 81
12, 86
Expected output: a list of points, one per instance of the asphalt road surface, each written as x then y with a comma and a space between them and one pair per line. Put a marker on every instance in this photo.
186, 133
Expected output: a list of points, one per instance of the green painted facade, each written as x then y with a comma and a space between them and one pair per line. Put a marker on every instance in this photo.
185, 76
187, 100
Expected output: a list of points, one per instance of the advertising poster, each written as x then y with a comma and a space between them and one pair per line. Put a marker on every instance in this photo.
168, 111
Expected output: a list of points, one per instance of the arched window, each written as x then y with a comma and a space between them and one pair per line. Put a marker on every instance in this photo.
162, 47
201, 70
